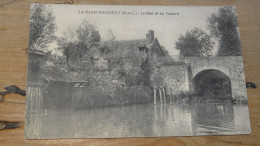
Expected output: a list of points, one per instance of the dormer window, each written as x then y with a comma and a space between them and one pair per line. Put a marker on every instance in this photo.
143, 49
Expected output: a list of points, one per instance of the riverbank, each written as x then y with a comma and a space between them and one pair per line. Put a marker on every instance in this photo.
191, 98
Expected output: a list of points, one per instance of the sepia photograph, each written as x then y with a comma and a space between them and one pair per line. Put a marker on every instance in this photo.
104, 71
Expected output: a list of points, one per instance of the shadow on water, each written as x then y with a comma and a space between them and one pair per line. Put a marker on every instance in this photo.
147, 120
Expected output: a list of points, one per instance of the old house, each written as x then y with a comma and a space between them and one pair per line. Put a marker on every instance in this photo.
126, 49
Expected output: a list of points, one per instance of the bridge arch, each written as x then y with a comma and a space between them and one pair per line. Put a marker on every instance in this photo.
212, 83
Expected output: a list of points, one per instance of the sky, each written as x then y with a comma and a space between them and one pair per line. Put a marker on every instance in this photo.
167, 28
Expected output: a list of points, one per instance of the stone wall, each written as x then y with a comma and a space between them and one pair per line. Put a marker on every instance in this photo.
175, 77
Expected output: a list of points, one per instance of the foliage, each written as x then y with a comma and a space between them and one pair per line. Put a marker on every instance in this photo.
126, 62
195, 43
42, 27
110, 36
83, 51
67, 44
87, 37
144, 75
80, 46
223, 25
121, 96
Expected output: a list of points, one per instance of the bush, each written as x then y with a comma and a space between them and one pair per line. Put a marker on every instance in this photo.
102, 96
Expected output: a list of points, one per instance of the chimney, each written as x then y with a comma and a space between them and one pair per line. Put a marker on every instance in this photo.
150, 35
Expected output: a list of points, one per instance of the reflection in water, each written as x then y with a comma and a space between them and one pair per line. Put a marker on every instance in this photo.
147, 120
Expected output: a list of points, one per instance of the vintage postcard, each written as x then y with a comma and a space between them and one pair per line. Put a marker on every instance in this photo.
103, 71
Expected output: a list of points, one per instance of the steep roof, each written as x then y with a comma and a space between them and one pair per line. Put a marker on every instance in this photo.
122, 48
155, 43
132, 43
135, 45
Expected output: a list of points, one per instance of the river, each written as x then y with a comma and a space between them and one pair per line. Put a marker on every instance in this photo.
147, 120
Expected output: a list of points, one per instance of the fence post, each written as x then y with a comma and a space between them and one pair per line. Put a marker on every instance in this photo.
164, 98
154, 95
171, 97
160, 93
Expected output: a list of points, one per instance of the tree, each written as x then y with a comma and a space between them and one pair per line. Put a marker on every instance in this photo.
87, 37
87, 47
80, 45
224, 27
42, 27
195, 43
67, 44
110, 36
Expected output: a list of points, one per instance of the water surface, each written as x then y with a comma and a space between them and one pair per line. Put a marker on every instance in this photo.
146, 120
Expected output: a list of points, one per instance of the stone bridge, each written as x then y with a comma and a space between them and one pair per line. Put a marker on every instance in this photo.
230, 68
195, 74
